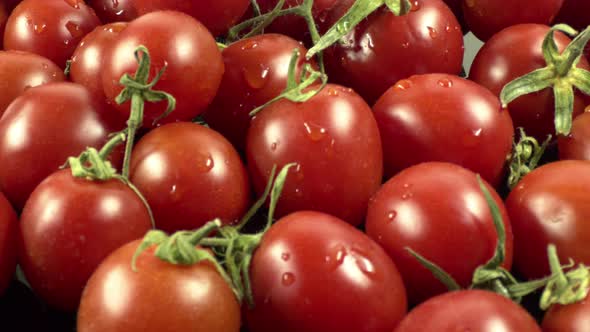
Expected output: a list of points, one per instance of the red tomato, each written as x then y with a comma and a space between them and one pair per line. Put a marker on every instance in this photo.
314, 272
577, 144
255, 72
41, 129
178, 41
488, 17
158, 297
8, 243
217, 15
568, 318
23, 70
551, 205
439, 117
3, 17
69, 226
386, 48
574, 13
512, 53
114, 10
335, 141
472, 310
454, 230
190, 175
51, 28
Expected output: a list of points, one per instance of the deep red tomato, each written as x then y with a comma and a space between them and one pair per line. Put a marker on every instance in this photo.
23, 70
551, 205
190, 175
69, 226
439, 211
313, 272
217, 15
386, 48
158, 297
573, 12
178, 41
51, 28
472, 310
577, 144
255, 72
568, 318
41, 129
512, 53
439, 117
335, 141
8, 243
114, 10
488, 17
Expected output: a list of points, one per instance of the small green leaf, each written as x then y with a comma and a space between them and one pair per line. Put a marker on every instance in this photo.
440, 274
532, 82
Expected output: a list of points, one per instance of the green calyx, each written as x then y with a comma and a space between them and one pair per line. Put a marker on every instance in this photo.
561, 73
525, 157
92, 164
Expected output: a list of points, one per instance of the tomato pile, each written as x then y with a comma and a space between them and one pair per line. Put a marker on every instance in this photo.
294, 165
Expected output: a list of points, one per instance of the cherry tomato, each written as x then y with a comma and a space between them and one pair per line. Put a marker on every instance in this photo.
8, 243
471, 310
488, 17
41, 129
577, 144
386, 48
439, 211
439, 117
217, 15
69, 226
568, 318
512, 53
114, 10
176, 40
51, 28
158, 297
255, 72
190, 175
550, 205
314, 272
335, 141
23, 70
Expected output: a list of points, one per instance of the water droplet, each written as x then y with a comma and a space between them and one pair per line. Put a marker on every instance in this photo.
477, 132
39, 28
73, 3
314, 132
288, 279
343, 27
205, 164
402, 85
45, 66
432, 32
250, 45
74, 29
336, 256
362, 262
391, 215
445, 82
115, 3
448, 28
332, 92
273, 146
415, 6
285, 256
323, 16
406, 45
257, 78
407, 196
407, 185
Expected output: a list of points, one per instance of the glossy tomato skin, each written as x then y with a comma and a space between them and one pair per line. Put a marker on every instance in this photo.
577, 144
512, 53
468, 310
334, 139
255, 72
23, 70
190, 174
217, 15
550, 205
314, 272
386, 48
158, 297
51, 28
440, 117
194, 63
41, 129
8, 243
114, 10
68, 226
488, 17
439, 211
568, 318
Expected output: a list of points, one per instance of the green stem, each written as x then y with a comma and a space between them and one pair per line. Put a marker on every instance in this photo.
112, 143
133, 123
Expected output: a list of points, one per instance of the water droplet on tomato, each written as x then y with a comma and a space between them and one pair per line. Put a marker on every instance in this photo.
314, 132
250, 45
445, 82
115, 3
415, 6
391, 215
407, 196
74, 29
402, 85
407, 185
477, 132
257, 78
336, 257
273, 146
432, 32
333, 92
73, 3
39, 28
406, 44
363, 263
448, 28
206, 164
285, 256
288, 279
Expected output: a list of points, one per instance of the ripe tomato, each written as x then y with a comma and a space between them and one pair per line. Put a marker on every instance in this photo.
23, 70
178, 41
568, 318
217, 15
189, 174
51, 28
577, 144
41, 129
386, 48
114, 10
439, 117
335, 141
550, 205
471, 310
255, 72
455, 230
158, 297
314, 272
69, 226
8, 243
512, 53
